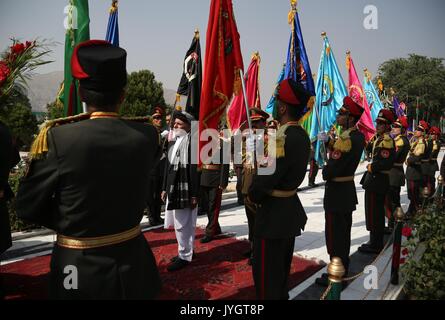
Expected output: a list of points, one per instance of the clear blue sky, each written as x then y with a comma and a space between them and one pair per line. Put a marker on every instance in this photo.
157, 33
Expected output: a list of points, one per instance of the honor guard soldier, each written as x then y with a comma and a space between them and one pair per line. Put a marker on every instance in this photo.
157, 174
280, 216
376, 182
434, 166
414, 178
313, 167
425, 162
258, 120
214, 179
397, 174
340, 197
88, 181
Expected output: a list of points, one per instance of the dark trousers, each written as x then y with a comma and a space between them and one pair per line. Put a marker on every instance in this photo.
250, 213
154, 200
375, 217
338, 235
272, 260
239, 184
213, 195
392, 202
313, 171
413, 187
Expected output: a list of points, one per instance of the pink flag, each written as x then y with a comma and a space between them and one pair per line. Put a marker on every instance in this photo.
236, 113
356, 92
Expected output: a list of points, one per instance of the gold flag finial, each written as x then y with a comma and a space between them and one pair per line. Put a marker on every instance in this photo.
348, 59
196, 33
113, 6
323, 34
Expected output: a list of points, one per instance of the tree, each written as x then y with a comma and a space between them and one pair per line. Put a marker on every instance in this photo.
143, 93
16, 113
417, 80
55, 110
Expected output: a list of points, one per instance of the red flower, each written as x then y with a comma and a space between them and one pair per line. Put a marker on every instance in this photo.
405, 251
4, 72
402, 260
28, 44
407, 232
18, 48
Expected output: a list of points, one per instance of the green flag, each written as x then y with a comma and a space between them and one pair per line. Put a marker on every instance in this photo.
78, 30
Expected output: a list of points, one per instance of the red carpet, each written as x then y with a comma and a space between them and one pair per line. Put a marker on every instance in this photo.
218, 271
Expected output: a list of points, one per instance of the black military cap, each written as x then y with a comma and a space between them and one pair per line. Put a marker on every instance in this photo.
99, 66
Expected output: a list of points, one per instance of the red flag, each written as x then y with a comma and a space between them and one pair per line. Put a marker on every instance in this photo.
223, 62
237, 114
357, 94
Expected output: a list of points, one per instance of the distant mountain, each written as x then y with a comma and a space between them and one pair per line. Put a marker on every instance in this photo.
43, 89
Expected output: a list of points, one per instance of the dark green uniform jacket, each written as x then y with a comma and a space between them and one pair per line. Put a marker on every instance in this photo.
280, 218
94, 182
342, 196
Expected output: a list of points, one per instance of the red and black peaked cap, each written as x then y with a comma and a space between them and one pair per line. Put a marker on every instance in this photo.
351, 108
99, 66
292, 93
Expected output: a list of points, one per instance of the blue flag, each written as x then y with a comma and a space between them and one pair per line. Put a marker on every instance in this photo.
398, 110
297, 63
331, 91
375, 105
271, 105
113, 26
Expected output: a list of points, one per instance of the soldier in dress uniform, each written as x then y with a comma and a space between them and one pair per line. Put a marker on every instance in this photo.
156, 176
258, 120
434, 166
88, 181
376, 182
425, 162
414, 178
214, 179
397, 174
340, 198
313, 167
280, 216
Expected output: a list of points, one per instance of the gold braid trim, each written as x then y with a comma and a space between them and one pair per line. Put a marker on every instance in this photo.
399, 141
344, 143
144, 119
40, 145
281, 139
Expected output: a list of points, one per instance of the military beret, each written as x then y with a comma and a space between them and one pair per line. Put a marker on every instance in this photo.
258, 114
423, 126
385, 116
351, 108
292, 93
401, 122
99, 66
435, 130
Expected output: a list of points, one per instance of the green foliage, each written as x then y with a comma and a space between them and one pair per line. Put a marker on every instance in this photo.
417, 77
143, 93
425, 279
55, 110
16, 113
14, 180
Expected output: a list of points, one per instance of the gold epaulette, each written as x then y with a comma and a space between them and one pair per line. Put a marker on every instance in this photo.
40, 145
399, 141
144, 119
387, 142
435, 146
281, 140
343, 143
419, 148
